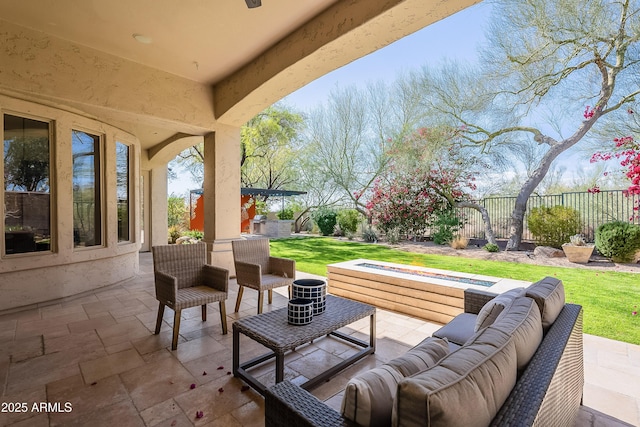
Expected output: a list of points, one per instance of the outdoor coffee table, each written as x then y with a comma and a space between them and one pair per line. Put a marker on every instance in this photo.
274, 332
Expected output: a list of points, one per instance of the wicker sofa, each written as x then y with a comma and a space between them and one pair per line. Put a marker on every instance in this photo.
547, 389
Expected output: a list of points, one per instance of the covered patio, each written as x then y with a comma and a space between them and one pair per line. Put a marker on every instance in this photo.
142, 81
97, 352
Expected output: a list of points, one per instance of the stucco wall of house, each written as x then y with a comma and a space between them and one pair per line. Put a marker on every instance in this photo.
33, 277
28, 288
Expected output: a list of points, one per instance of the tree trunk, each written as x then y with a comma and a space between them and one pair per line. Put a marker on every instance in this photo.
516, 227
300, 221
488, 229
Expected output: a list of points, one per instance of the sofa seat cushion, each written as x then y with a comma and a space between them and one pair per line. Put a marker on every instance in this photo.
368, 397
491, 310
459, 329
548, 293
467, 387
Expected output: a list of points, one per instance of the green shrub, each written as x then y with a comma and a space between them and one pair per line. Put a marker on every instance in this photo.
491, 247
446, 225
348, 221
392, 236
196, 234
553, 226
286, 213
369, 235
326, 220
618, 240
173, 234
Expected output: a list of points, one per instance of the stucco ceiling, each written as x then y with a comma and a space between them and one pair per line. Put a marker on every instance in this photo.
188, 37
198, 64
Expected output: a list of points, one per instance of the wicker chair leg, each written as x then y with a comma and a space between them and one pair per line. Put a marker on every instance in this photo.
260, 301
239, 298
204, 312
270, 296
176, 329
159, 320
223, 317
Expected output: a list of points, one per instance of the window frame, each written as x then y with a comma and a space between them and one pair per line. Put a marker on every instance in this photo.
53, 236
130, 191
102, 142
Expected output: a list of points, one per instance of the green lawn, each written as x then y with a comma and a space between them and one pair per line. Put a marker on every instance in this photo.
608, 298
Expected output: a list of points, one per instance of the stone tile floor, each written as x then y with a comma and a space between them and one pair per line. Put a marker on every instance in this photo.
96, 362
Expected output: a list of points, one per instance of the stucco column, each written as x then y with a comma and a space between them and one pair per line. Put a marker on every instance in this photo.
222, 194
158, 211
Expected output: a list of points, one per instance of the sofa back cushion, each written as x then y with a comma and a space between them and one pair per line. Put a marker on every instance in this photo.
423, 356
466, 389
492, 309
368, 397
548, 293
521, 320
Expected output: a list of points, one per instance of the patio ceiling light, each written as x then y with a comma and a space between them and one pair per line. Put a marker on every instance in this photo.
141, 38
253, 3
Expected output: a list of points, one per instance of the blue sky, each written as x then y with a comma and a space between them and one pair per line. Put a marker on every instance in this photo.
456, 37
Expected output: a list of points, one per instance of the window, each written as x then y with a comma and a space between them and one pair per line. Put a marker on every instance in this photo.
27, 191
87, 203
122, 191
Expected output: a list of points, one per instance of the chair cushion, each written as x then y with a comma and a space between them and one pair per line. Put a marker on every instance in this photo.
467, 387
368, 397
197, 295
491, 310
548, 293
459, 329
422, 356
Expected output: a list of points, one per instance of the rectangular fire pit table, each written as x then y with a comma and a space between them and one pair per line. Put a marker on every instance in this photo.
274, 332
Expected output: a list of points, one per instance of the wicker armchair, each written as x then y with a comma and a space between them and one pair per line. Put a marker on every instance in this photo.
256, 269
183, 279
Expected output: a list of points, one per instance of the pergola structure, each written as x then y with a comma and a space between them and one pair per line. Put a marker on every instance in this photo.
97, 97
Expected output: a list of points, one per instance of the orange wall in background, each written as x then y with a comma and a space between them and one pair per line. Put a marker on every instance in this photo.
247, 214
197, 216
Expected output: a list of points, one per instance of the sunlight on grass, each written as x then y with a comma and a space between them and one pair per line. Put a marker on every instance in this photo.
608, 298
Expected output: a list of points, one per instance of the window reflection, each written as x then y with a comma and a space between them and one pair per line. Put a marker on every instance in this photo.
27, 212
122, 190
87, 221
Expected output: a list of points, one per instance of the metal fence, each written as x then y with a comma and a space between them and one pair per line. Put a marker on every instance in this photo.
594, 208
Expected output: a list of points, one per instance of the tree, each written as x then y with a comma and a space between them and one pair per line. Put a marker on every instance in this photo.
178, 212
348, 137
544, 59
26, 164
429, 173
269, 144
269, 148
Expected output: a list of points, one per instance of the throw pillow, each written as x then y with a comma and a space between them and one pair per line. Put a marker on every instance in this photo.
491, 310
368, 398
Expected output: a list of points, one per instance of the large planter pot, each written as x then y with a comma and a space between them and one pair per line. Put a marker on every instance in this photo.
577, 254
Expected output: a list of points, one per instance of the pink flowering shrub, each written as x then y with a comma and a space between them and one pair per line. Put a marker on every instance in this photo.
421, 181
627, 152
